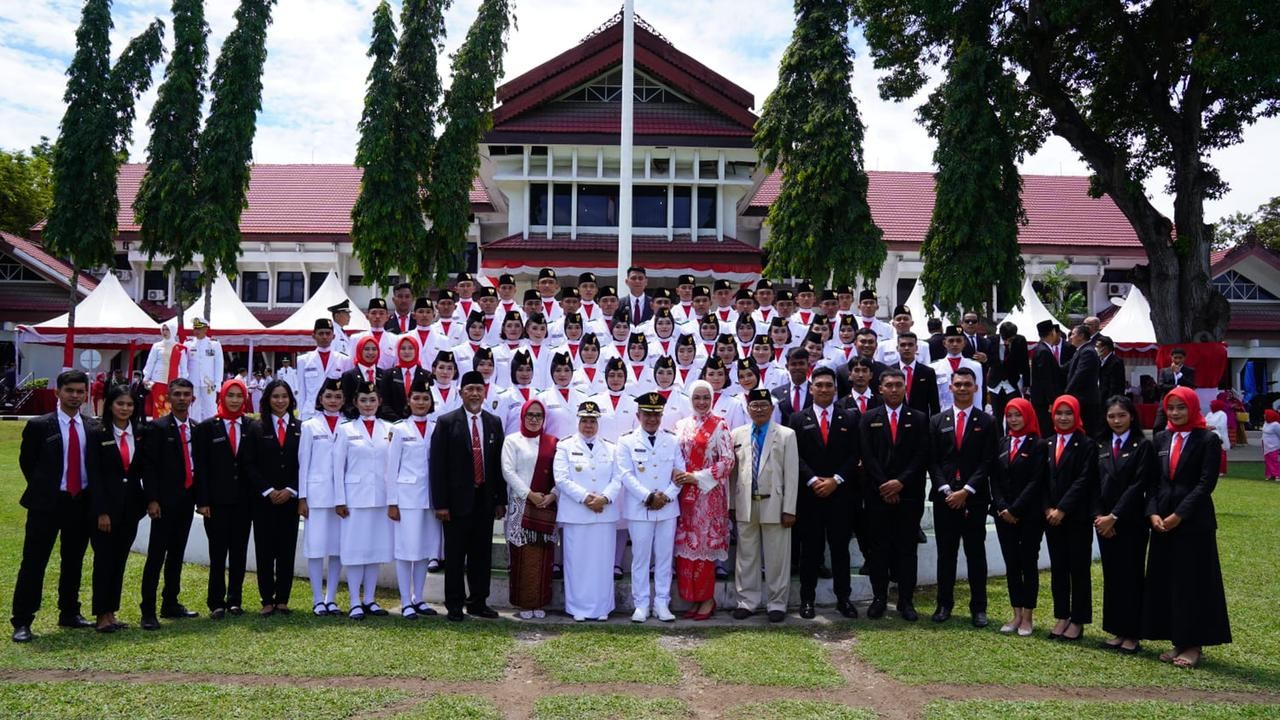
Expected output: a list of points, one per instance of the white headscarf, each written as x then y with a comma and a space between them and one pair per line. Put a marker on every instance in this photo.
697, 384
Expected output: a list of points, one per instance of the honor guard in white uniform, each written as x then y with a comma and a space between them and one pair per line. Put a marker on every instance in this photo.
341, 316
953, 340
205, 370
649, 461
588, 514
419, 535
321, 528
323, 363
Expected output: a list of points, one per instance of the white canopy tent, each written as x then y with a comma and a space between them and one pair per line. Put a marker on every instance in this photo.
919, 313
106, 317
229, 315
328, 294
1032, 313
1131, 327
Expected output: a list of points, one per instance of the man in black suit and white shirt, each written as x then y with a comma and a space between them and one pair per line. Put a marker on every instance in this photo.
1007, 369
468, 494
401, 321
1177, 374
56, 464
921, 380
636, 300
1047, 376
1111, 376
1082, 380
793, 395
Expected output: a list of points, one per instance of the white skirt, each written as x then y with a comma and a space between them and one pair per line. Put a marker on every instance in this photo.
588, 569
367, 537
419, 535
321, 533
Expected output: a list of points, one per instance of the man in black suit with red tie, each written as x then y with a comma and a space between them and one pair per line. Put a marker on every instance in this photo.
793, 395
895, 448
468, 494
401, 321
963, 440
56, 465
636, 300
826, 508
921, 380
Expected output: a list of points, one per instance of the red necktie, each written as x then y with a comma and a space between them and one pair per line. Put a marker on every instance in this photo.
795, 398
1062, 444
477, 459
1174, 455
444, 324
847, 350
408, 382
684, 374
955, 363
369, 374
590, 372
234, 438
959, 429
1013, 447
422, 428
893, 425
404, 324
73, 460
724, 315
186, 455
862, 404
280, 431
535, 349
333, 422
825, 426
1056, 353
368, 427
777, 354
573, 350
1115, 451
908, 370
637, 315
124, 450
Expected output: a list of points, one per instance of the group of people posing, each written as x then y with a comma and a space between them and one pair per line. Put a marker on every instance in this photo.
586, 422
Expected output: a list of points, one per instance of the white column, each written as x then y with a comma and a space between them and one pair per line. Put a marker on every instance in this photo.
628, 103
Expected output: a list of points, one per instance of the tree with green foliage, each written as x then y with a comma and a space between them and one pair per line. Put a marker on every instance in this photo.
165, 206
387, 225
26, 187
226, 143
1135, 88
92, 143
820, 226
1261, 226
1060, 294
477, 66
972, 242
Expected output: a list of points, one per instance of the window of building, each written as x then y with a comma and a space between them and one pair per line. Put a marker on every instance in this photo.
538, 203
598, 205
649, 206
290, 287
1235, 286
707, 208
255, 287
317, 279
12, 270
681, 208
562, 204
608, 89
189, 281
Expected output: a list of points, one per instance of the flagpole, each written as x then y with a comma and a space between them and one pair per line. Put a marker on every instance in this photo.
625, 171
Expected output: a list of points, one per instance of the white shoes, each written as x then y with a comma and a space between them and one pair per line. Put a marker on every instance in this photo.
664, 614
640, 615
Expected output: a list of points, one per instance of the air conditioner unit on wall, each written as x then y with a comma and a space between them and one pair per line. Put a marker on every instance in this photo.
1118, 289
157, 295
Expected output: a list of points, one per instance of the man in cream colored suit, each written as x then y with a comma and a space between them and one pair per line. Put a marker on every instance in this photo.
764, 497
649, 461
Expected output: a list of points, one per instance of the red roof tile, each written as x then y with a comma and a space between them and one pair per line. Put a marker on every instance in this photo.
38, 259
1059, 210
650, 119
1246, 318
1221, 261
609, 243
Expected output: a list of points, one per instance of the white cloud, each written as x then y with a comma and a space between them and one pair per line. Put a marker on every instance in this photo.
313, 87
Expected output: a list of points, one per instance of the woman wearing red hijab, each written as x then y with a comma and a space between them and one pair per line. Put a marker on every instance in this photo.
221, 462
1017, 502
1072, 482
1184, 600
397, 381
364, 369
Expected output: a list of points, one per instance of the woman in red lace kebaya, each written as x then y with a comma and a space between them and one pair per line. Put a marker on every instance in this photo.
702, 531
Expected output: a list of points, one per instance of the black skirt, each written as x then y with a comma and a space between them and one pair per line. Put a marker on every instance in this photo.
1183, 600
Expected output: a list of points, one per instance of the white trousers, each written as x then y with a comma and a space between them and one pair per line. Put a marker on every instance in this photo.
654, 539
588, 569
204, 405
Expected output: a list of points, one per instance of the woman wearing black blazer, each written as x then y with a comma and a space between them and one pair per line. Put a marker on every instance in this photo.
1126, 471
1017, 502
1072, 482
393, 388
117, 501
275, 507
1184, 600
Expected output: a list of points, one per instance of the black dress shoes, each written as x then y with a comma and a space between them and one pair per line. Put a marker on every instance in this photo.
22, 634
149, 622
217, 613
235, 611
177, 612
483, 611
980, 620
877, 608
75, 622
456, 616
777, 616
741, 613
807, 611
942, 614
908, 613
847, 609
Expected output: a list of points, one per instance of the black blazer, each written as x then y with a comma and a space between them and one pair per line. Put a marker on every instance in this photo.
1072, 482
838, 456
1125, 481
40, 457
164, 471
937, 349
983, 346
884, 460
1019, 486
452, 472
972, 461
1047, 377
1167, 381
848, 402
844, 385
1189, 493
220, 477
782, 399
393, 323
1082, 377
350, 380
924, 390
275, 467
395, 406
117, 492
1014, 367
1111, 377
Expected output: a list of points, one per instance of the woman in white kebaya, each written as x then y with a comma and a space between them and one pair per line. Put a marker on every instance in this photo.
360, 496
419, 535
322, 527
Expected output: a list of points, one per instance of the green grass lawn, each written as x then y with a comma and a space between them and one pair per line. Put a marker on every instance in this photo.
607, 707
807, 709
584, 656
766, 657
1059, 710
452, 707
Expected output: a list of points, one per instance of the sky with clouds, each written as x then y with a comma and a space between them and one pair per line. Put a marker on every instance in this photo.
314, 80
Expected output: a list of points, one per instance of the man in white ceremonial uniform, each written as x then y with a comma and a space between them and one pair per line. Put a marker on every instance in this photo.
341, 316
323, 363
588, 515
205, 370
887, 350
649, 461
953, 341
868, 306
765, 487
288, 375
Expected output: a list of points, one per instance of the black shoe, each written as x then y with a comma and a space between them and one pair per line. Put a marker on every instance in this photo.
617, 572
741, 613
908, 613
75, 622
150, 622
1137, 648
721, 573
824, 572
177, 612
375, 610
557, 572
456, 616
425, 609
217, 613
877, 608
22, 634
777, 616
980, 620
942, 614
105, 628
807, 611
847, 609
235, 611
483, 611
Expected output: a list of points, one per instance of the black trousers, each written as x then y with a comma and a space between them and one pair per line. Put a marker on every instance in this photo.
1020, 546
165, 550
824, 523
227, 528
892, 548
1070, 554
275, 540
951, 528
110, 555
468, 544
1123, 567
70, 520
